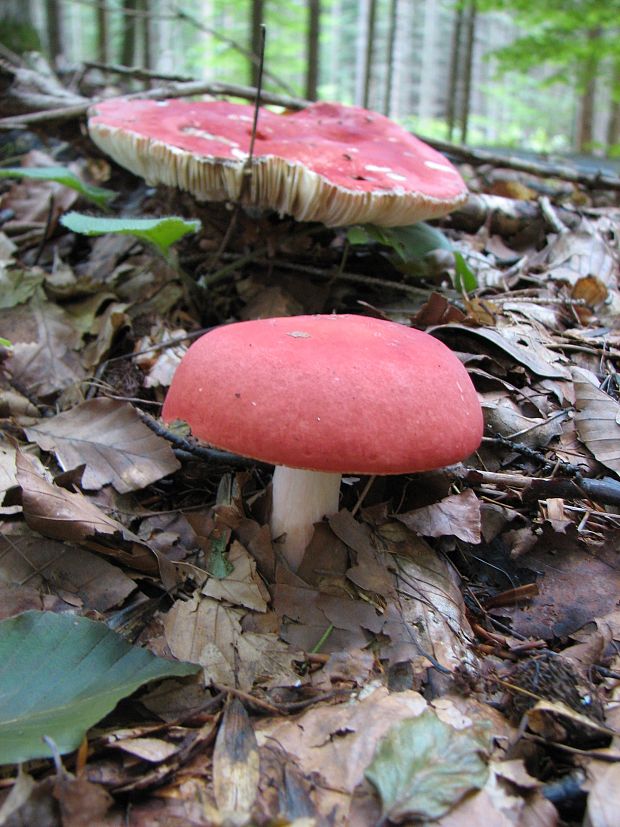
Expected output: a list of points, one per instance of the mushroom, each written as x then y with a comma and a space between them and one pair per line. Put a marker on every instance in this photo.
318, 396
336, 164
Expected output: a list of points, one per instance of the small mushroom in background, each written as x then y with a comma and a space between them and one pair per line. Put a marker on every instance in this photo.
336, 164
318, 396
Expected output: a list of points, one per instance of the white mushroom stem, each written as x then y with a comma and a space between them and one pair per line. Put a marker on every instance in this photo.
300, 499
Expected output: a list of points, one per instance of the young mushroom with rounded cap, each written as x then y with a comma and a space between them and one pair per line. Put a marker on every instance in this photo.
319, 396
336, 164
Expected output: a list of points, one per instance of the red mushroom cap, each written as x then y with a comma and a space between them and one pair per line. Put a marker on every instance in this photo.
328, 393
331, 163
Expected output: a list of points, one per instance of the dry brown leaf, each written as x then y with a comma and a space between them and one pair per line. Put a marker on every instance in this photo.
521, 343
304, 623
7, 469
176, 700
106, 327
549, 719
16, 406
31, 198
580, 253
43, 358
501, 803
354, 666
63, 515
236, 766
271, 301
17, 599
153, 750
549, 316
81, 802
243, 586
370, 571
598, 420
428, 617
205, 631
160, 364
108, 437
286, 794
337, 743
350, 615
437, 310
591, 290
75, 575
604, 797
573, 588
457, 515
503, 417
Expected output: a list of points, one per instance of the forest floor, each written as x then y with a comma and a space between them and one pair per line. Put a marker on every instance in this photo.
448, 651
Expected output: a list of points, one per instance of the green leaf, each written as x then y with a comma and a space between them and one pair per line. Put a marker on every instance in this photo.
60, 674
98, 195
218, 565
409, 243
5, 342
464, 279
423, 767
160, 232
358, 235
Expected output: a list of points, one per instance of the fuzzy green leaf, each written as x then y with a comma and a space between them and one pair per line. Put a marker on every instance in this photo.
160, 232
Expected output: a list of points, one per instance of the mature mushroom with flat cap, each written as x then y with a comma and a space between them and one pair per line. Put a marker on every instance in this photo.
318, 396
336, 164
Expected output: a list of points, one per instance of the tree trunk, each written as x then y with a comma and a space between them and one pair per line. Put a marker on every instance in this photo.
587, 101
585, 124
130, 33
256, 22
613, 124
312, 59
455, 64
370, 38
338, 83
54, 29
147, 52
101, 11
470, 43
389, 67
402, 102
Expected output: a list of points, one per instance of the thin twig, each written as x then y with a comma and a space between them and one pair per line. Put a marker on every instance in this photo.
246, 172
46, 230
566, 468
135, 72
172, 90
200, 451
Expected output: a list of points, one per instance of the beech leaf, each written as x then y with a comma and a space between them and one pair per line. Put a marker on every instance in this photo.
458, 515
423, 767
597, 420
160, 232
60, 674
61, 175
110, 439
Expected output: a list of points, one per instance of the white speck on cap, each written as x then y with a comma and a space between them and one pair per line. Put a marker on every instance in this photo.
442, 167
